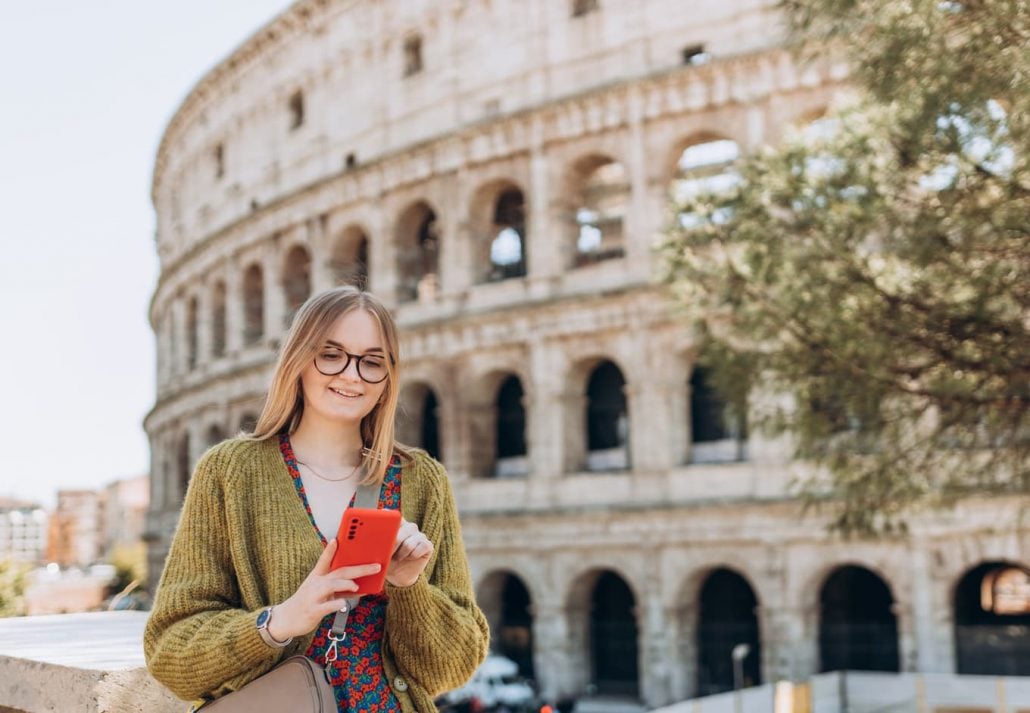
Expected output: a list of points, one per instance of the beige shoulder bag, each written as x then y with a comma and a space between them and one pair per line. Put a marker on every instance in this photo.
298, 684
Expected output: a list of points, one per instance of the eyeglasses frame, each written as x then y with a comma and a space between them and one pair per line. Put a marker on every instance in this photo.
357, 367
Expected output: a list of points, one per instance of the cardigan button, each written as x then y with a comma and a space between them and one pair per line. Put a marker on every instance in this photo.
400, 684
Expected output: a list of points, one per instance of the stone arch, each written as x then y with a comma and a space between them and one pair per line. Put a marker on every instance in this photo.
497, 224
218, 319
607, 418
718, 431
810, 110
511, 422
598, 196
498, 438
192, 332
214, 435
183, 463
248, 422
253, 304
703, 162
727, 617
417, 237
348, 257
604, 631
575, 405
858, 626
419, 418
991, 603
296, 280
507, 603
671, 164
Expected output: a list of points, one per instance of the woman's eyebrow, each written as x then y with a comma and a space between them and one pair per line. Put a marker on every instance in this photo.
339, 346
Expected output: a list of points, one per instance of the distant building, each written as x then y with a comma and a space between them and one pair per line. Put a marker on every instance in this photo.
85, 529
76, 528
125, 507
23, 530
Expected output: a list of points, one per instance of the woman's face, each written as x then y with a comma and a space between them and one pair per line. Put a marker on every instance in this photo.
345, 397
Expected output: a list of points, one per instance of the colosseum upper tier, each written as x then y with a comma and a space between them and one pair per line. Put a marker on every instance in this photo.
498, 171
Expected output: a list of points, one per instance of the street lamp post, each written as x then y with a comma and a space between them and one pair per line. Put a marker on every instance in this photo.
739, 653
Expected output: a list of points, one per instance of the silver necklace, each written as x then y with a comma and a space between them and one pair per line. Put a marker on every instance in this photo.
330, 480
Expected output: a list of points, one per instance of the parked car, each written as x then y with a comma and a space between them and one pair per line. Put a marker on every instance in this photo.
494, 687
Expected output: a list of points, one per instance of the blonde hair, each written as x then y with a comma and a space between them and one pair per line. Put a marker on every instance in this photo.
284, 405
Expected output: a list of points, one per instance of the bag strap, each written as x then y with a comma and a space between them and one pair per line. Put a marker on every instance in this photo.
367, 497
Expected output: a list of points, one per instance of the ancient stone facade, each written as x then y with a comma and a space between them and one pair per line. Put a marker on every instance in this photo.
499, 171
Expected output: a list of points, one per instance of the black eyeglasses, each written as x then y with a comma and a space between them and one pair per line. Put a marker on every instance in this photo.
371, 367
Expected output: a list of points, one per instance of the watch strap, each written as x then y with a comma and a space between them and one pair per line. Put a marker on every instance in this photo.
266, 636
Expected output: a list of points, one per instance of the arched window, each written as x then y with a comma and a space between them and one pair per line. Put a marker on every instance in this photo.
607, 419
418, 242
218, 308
248, 422
705, 167
507, 248
992, 620
511, 430
717, 432
600, 201
412, 55
431, 425
857, 627
253, 305
584, 7
191, 334
613, 637
171, 341
215, 435
727, 619
296, 281
349, 258
183, 464
418, 421
506, 603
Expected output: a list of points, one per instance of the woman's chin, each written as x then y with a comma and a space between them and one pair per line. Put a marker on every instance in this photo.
343, 415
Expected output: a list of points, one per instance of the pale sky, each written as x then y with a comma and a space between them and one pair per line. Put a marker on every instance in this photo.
85, 92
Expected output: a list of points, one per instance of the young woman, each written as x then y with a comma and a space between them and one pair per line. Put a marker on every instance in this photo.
247, 581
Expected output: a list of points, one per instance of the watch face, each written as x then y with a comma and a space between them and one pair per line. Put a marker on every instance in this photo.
263, 617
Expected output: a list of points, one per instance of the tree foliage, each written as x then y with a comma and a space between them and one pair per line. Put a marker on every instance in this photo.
14, 580
876, 276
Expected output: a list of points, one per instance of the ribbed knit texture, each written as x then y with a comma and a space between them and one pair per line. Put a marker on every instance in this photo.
244, 542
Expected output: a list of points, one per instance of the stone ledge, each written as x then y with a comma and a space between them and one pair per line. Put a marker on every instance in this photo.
79, 662
38, 687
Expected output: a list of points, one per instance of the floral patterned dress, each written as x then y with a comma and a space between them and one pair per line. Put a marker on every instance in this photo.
357, 675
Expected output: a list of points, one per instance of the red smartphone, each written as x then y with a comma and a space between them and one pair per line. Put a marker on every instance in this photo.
366, 536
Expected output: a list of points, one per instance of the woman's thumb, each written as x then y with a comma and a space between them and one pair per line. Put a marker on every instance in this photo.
326, 559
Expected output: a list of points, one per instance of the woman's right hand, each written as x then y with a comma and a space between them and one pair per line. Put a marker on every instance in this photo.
316, 596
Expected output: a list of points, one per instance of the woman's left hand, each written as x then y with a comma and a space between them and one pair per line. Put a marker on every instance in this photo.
411, 553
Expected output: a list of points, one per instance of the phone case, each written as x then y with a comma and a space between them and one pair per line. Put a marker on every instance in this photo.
366, 536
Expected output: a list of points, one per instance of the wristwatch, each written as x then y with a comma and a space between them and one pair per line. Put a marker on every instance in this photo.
262, 626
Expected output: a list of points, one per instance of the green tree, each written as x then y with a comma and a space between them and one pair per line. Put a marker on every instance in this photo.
876, 276
14, 580
130, 563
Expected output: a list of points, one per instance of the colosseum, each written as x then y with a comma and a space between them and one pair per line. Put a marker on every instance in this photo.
499, 173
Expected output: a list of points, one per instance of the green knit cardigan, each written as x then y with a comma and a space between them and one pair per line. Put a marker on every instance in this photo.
244, 542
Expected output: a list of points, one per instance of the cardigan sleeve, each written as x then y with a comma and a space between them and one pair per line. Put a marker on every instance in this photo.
198, 641
437, 632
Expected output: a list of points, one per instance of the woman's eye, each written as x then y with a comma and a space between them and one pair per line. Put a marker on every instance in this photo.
331, 356
373, 363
